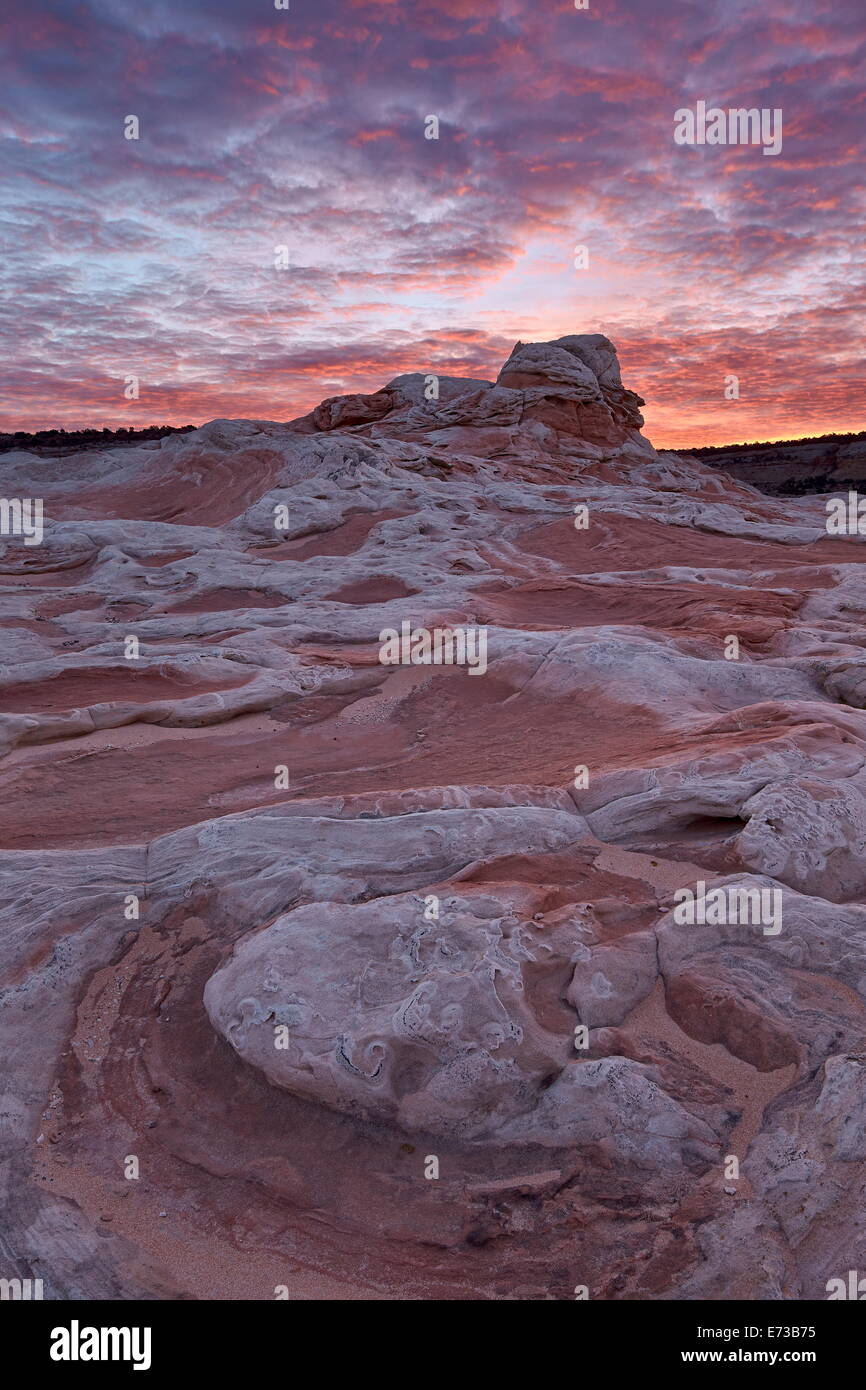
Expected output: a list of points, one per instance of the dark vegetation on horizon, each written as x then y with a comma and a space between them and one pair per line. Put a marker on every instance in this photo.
839, 438
67, 440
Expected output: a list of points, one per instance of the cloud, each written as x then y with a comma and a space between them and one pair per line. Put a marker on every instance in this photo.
305, 129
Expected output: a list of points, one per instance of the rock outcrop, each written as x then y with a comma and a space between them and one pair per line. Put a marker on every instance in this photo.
537, 965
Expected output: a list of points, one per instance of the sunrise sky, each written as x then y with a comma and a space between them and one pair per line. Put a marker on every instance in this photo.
262, 127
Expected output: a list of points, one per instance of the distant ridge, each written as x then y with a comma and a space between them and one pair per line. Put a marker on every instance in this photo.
791, 467
839, 438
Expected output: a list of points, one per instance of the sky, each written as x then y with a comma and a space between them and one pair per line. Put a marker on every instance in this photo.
304, 128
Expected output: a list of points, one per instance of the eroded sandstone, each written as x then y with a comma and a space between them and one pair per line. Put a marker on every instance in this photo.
447, 929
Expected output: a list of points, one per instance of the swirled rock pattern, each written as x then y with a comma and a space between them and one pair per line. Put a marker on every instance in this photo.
372, 979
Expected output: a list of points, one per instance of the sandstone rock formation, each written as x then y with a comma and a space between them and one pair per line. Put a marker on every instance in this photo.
379, 972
